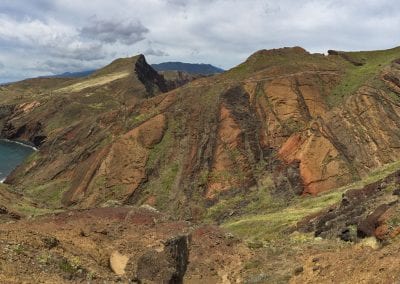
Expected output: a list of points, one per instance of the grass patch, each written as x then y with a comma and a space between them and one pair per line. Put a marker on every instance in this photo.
287, 60
49, 194
163, 196
159, 151
252, 201
356, 76
267, 225
31, 211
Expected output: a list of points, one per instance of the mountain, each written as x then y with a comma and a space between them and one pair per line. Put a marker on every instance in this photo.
285, 165
202, 69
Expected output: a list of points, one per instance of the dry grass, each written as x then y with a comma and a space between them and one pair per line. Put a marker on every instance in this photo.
94, 82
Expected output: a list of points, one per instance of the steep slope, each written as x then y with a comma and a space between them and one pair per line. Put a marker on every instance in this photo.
115, 136
70, 119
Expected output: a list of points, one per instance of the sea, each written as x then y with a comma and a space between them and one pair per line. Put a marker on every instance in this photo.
11, 155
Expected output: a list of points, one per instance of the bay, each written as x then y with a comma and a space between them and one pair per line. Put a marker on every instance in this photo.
12, 154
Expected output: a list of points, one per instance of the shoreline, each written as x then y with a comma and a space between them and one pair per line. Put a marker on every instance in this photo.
20, 143
24, 144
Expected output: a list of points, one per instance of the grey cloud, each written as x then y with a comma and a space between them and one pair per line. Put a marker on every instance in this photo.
182, 3
115, 31
47, 38
1, 65
155, 52
83, 51
57, 66
22, 9
221, 32
190, 2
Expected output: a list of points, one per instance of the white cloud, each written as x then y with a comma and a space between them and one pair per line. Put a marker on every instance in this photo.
50, 38
154, 52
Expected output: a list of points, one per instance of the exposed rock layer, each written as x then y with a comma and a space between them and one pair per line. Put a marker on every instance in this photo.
118, 136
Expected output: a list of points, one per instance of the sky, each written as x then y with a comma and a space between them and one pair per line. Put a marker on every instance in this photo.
42, 37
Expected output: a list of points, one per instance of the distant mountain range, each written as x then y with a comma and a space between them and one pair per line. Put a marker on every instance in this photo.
203, 69
71, 74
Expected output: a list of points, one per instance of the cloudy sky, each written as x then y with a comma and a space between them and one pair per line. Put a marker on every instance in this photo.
40, 37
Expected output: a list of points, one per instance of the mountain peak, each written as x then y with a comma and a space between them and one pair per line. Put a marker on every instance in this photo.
120, 65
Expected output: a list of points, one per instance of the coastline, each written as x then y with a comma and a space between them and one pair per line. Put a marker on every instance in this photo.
22, 143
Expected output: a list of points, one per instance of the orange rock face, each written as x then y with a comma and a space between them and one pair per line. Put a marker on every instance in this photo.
122, 166
320, 163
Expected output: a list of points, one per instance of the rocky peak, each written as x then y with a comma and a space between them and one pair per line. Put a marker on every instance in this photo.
149, 77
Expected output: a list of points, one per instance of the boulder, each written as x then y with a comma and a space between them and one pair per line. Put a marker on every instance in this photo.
167, 266
118, 262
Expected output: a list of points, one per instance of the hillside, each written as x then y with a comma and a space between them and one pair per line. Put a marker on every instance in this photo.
191, 68
289, 151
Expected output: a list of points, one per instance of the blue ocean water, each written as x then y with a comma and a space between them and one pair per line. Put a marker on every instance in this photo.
11, 155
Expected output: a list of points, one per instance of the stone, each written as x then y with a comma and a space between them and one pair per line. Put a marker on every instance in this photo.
118, 262
167, 266
50, 242
298, 270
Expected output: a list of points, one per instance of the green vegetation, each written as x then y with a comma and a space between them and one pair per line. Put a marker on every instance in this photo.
71, 266
159, 151
271, 226
118, 65
44, 258
160, 157
23, 205
290, 60
18, 248
253, 201
167, 178
31, 211
267, 219
49, 194
356, 76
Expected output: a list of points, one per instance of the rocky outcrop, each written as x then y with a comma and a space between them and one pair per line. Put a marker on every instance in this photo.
176, 79
168, 266
32, 132
118, 262
17, 127
362, 213
149, 77
237, 149
346, 56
